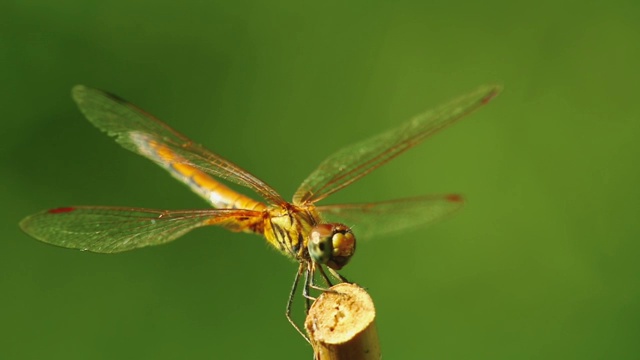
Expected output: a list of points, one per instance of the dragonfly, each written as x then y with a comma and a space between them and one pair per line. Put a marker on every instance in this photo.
313, 235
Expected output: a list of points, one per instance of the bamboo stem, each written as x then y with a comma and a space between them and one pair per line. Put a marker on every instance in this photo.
341, 325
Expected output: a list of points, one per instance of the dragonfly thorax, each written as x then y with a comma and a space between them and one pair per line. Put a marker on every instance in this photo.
331, 244
288, 228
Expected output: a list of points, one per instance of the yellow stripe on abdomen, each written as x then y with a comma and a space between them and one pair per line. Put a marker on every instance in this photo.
216, 193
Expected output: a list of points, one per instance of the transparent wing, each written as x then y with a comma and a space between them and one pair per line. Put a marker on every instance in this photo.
114, 229
370, 220
355, 161
128, 124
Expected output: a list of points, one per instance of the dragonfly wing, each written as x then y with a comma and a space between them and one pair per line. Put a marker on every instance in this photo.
355, 161
135, 129
114, 229
387, 217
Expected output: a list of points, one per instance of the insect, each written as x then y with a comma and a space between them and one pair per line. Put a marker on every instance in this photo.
314, 235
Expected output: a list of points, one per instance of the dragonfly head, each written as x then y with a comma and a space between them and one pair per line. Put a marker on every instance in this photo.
331, 244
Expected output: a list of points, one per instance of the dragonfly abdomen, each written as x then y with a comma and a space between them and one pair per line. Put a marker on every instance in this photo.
216, 193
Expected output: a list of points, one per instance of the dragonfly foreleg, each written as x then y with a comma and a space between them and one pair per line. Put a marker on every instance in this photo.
338, 276
325, 278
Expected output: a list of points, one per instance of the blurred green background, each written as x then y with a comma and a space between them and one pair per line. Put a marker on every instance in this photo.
541, 264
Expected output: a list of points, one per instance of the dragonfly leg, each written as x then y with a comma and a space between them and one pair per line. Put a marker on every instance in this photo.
325, 278
328, 280
308, 283
338, 276
290, 302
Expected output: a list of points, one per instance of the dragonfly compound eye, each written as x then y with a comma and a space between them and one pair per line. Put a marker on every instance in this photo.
332, 245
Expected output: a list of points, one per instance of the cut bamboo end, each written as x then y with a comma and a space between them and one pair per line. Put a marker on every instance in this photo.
341, 325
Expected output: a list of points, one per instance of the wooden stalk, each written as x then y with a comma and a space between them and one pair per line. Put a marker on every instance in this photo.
341, 325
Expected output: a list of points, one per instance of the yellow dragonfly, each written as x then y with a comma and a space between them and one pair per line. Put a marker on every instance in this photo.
313, 235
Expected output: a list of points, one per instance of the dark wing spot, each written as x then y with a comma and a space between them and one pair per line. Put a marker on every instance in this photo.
454, 198
61, 210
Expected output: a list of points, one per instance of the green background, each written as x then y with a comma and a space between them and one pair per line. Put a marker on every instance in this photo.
542, 263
